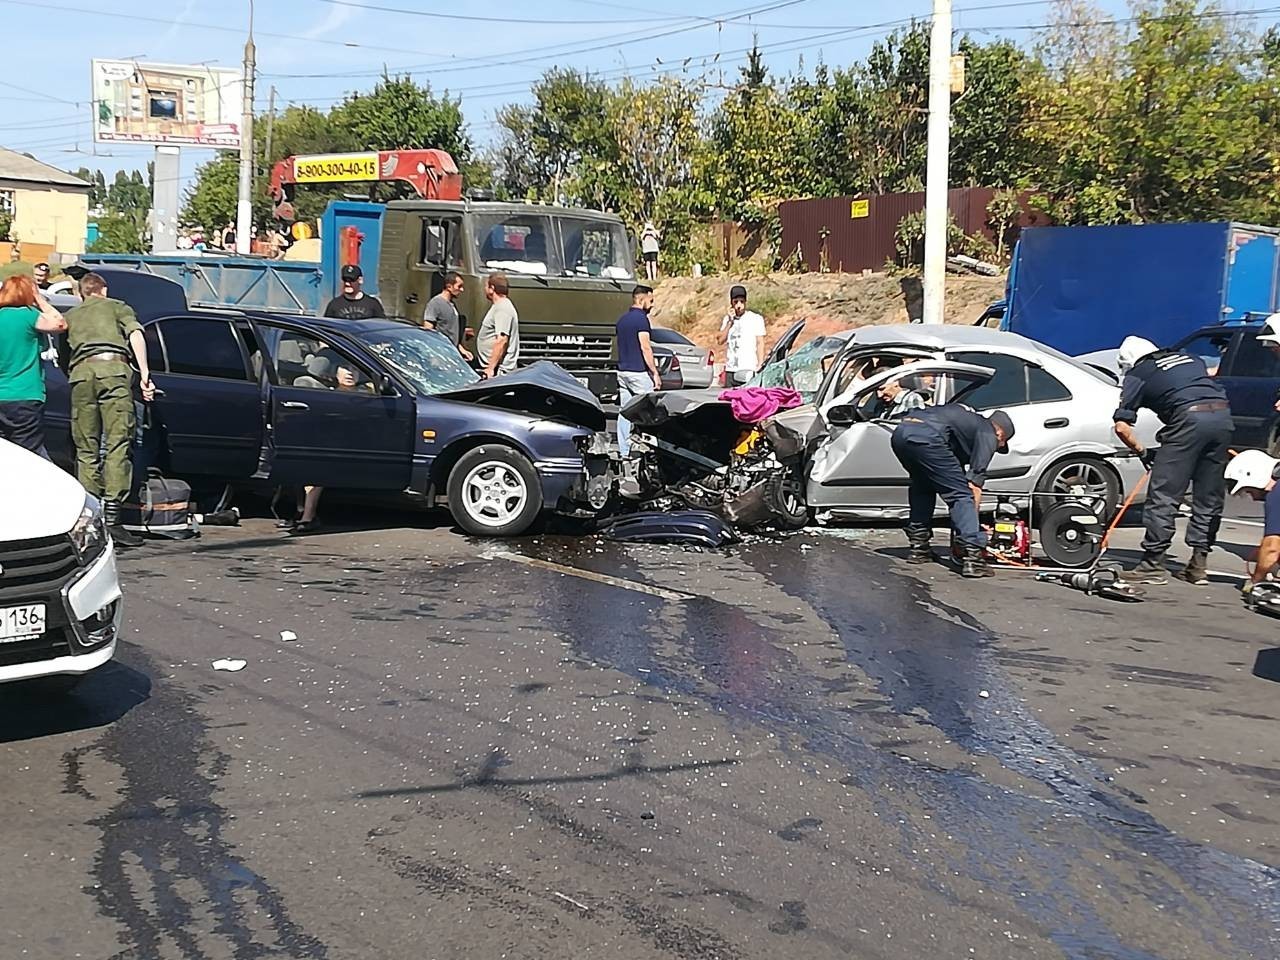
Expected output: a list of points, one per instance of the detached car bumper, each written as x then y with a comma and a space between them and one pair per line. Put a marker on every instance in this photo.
83, 613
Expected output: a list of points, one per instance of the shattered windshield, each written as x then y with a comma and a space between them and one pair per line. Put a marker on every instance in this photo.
428, 360
803, 370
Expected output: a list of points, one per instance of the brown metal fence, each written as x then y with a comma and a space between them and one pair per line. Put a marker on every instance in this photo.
851, 234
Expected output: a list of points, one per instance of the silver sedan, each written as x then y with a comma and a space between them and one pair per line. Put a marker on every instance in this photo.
1064, 445
697, 364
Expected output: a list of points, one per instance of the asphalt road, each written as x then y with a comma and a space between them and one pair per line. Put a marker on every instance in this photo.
561, 747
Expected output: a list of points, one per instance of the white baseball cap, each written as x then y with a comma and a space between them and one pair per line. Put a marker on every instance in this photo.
1132, 350
1250, 468
1271, 329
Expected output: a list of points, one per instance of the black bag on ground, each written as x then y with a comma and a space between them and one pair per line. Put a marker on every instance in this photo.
161, 508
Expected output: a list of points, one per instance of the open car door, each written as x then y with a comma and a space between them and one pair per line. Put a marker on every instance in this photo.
783, 345
854, 472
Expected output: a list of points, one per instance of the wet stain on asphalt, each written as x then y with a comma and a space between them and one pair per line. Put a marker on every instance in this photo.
163, 840
1061, 860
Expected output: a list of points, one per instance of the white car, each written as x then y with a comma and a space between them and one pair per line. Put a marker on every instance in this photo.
1064, 445
60, 602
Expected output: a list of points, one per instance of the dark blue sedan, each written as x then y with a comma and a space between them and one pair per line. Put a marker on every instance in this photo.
1250, 373
376, 407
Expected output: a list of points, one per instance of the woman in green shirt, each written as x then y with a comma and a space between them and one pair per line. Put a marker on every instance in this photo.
24, 315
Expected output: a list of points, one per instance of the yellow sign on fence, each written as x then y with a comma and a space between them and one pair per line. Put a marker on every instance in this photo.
859, 209
335, 167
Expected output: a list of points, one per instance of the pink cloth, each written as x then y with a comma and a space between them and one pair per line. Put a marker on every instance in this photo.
753, 404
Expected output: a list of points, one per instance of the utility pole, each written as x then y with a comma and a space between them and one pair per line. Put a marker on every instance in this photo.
271, 126
244, 206
936, 165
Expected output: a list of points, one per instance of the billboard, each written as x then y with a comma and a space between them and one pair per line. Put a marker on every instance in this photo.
163, 103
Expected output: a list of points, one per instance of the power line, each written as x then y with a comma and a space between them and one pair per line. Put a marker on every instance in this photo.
478, 19
552, 52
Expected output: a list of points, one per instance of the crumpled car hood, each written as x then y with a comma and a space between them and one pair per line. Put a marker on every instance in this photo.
542, 389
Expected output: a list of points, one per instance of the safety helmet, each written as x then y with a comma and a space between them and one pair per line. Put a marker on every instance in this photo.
1132, 350
1270, 332
1250, 468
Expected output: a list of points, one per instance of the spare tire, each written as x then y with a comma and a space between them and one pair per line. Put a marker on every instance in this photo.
1071, 533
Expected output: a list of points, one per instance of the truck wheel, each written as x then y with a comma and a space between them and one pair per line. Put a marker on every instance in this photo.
494, 492
1082, 478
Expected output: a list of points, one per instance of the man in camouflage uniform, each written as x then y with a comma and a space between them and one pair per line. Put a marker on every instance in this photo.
102, 334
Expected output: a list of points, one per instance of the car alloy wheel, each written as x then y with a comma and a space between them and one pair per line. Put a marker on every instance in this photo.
1087, 480
494, 493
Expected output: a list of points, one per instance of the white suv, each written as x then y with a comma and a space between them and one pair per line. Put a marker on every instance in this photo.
60, 604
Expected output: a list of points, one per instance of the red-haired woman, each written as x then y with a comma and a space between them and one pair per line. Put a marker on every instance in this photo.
24, 315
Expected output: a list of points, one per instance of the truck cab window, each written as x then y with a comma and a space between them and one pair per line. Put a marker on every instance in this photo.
441, 246
521, 243
596, 248
203, 348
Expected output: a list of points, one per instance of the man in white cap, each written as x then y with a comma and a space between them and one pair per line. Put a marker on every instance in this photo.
1193, 450
1252, 472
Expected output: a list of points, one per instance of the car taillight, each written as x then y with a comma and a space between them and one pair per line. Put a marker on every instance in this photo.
711, 358
675, 362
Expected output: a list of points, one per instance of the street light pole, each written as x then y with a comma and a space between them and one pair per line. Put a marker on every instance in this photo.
936, 172
244, 204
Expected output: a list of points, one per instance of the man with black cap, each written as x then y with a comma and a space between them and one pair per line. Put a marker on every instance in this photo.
41, 272
934, 445
741, 332
354, 303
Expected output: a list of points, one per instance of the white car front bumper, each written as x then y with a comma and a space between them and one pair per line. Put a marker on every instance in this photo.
84, 617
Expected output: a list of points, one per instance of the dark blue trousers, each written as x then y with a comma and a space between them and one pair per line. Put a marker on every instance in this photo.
935, 472
1193, 453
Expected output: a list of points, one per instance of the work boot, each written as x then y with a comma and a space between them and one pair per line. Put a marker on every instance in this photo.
1196, 572
1150, 569
111, 517
918, 540
973, 564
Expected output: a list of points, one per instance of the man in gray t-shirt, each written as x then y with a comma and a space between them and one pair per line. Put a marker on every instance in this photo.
441, 313
499, 340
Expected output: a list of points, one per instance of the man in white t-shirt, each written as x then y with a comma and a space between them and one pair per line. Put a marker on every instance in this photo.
742, 335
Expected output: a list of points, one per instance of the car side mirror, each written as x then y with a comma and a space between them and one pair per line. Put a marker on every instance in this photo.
844, 415
386, 388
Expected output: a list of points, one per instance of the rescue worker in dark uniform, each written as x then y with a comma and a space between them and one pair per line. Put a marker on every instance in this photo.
946, 451
1193, 452
102, 334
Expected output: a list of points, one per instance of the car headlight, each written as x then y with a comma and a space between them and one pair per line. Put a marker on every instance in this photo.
89, 535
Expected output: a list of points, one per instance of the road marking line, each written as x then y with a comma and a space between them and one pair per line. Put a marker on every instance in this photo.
1244, 523
672, 595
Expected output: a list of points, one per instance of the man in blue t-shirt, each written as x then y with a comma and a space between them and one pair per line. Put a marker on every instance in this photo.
637, 370
1252, 472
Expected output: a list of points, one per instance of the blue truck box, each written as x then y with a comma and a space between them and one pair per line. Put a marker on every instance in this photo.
1081, 289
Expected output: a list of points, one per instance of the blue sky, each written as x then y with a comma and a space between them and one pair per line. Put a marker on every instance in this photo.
314, 51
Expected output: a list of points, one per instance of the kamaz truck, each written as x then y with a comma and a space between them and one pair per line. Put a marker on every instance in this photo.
570, 270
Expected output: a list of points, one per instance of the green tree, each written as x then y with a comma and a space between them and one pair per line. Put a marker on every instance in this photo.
120, 233
398, 114
987, 145
659, 153
561, 145
211, 198
1172, 119
756, 139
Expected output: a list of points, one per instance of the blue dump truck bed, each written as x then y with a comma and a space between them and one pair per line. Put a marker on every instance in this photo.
1081, 289
258, 283
280, 286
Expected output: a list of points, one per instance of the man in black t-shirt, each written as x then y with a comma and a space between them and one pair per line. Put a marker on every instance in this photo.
354, 303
